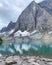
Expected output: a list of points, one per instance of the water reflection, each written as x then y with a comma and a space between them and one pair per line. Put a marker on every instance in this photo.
36, 48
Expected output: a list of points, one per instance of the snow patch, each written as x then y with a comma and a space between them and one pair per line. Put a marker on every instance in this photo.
11, 31
20, 33
34, 32
50, 32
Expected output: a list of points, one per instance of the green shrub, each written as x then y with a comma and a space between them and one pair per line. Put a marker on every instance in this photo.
1, 41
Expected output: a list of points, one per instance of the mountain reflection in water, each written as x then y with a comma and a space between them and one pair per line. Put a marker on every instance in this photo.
32, 48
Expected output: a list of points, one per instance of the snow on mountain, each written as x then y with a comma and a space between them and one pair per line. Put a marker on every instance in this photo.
20, 33
50, 32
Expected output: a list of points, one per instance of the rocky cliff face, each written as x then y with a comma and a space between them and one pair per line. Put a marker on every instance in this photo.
44, 20
47, 5
36, 16
10, 26
27, 19
46, 16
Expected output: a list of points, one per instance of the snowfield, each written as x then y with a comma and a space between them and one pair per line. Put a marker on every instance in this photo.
19, 33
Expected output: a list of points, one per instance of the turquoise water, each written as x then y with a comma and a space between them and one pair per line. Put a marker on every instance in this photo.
31, 48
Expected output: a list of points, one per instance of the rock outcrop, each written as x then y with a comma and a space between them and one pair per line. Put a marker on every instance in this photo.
27, 19
35, 17
10, 26
25, 60
47, 5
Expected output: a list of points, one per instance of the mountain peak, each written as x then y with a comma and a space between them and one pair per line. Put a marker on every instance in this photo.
33, 3
27, 18
35, 17
10, 26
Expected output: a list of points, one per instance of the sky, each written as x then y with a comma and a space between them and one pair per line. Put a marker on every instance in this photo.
11, 9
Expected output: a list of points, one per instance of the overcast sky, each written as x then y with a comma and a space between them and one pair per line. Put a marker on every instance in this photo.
11, 9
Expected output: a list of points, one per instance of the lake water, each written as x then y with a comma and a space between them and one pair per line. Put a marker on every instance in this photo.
31, 48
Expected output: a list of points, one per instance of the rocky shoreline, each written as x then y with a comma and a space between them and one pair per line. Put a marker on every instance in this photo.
24, 60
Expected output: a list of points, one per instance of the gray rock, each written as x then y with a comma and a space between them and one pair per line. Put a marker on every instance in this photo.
25, 60
2, 63
45, 20
26, 20
47, 5
34, 17
10, 26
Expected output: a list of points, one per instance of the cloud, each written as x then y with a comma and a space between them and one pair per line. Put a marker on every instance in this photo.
38, 1
1, 5
2, 23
